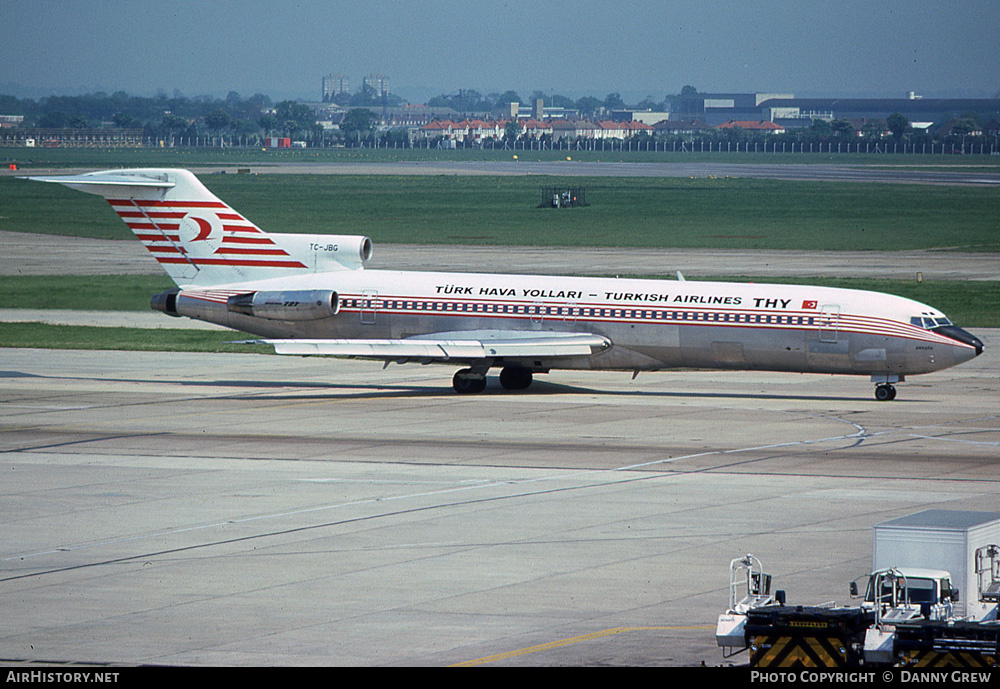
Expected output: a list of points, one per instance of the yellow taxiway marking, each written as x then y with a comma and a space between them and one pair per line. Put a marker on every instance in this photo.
570, 641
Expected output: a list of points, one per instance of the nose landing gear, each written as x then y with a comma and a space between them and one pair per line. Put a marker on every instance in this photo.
885, 392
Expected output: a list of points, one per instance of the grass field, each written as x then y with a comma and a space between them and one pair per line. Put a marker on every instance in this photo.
44, 336
622, 212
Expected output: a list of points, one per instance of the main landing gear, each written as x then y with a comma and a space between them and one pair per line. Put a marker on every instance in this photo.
885, 392
469, 380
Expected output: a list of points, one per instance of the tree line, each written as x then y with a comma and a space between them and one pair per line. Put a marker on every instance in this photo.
165, 116
246, 119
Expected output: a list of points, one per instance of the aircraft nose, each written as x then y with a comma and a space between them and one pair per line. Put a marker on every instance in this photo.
964, 336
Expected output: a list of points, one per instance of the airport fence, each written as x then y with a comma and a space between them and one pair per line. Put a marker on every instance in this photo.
651, 145
978, 146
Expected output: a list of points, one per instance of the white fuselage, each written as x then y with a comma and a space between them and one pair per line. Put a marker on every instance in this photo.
652, 324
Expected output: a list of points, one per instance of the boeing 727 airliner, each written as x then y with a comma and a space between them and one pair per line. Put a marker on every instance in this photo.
311, 295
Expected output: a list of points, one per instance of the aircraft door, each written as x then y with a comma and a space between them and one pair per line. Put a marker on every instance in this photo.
828, 353
537, 313
570, 312
829, 322
369, 306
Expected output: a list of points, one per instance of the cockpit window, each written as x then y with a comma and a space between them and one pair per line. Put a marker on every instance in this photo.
928, 323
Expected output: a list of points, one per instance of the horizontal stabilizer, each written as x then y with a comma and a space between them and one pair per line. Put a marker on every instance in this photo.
108, 179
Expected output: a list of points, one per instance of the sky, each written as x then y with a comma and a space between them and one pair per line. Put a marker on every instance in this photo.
283, 48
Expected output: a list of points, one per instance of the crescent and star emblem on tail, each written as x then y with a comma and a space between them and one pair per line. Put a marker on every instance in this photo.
205, 232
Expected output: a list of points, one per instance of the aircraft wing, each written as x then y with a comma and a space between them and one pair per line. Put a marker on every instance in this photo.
460, 345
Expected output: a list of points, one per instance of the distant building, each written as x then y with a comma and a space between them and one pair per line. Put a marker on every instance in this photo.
914, 109
763, 126
574, 129
952, 127
416, 115
111, 137
692, 126
334, 85
378, 83
552, 113
612, 129
716, 108
645, 116
535, 128
509, 111
789, 111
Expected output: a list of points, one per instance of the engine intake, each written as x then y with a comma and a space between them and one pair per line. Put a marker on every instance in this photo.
328, 252
295, 305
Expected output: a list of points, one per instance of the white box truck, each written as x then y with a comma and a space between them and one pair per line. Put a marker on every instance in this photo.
942, 540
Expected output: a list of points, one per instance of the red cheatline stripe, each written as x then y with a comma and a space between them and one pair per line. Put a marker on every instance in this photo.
160, 249
238, 228
231, 216
868, 325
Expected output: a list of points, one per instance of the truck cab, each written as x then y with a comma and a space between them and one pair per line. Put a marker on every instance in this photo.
900, 594
905, 593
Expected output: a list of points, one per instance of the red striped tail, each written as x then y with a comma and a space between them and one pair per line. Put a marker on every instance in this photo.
202, 242
206, 240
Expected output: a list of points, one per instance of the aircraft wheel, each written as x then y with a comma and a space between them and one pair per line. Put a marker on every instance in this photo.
884, 393
467, 382
515, 378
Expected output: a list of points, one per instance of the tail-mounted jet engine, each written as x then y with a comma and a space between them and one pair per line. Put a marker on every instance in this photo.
297, 305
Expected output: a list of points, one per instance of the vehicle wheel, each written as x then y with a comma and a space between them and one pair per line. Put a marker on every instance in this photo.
515, 378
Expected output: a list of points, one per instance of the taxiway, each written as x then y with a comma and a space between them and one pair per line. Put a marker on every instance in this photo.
257, 510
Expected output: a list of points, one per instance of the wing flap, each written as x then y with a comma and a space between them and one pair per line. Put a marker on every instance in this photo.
510, 345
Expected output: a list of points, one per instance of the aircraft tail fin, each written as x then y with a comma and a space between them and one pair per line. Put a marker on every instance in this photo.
200, 240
